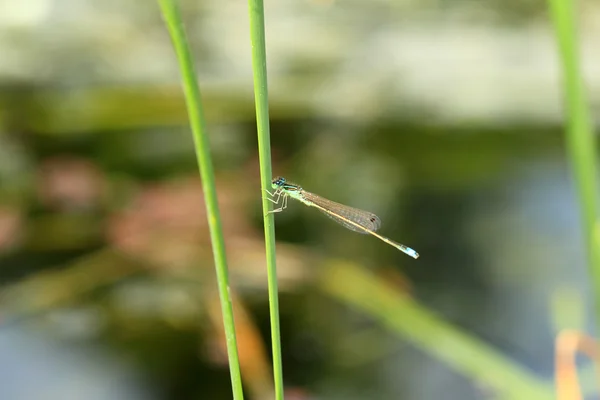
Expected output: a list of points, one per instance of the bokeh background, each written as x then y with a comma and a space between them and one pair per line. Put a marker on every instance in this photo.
442, 117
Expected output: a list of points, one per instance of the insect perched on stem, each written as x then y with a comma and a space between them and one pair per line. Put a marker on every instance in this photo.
352, 218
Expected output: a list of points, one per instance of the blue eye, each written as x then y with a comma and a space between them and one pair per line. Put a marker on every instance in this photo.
279, 181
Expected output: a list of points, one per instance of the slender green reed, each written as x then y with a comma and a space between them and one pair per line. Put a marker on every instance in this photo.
405, 317
259, 70
174, 24
580, 139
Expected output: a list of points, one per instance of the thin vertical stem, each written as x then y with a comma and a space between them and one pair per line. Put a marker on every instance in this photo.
580, 139
259, 68
174, 24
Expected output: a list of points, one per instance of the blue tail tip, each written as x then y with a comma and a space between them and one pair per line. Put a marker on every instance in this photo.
412, 253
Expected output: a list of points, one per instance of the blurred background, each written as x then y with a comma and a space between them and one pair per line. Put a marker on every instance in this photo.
442, 117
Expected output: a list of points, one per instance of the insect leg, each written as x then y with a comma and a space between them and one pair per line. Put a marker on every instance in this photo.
283, 206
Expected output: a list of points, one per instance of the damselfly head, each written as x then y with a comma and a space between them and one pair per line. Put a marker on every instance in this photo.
278, 182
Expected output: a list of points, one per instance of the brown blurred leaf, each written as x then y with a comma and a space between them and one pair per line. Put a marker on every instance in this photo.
166, 225
11, 226
254, 362
67, 182
568, 343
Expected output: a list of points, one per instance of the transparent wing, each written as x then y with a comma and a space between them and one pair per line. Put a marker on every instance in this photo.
366, 219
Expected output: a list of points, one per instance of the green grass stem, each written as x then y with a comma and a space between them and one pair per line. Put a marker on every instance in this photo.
259, 70
175, 27
580, 139
416, 324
